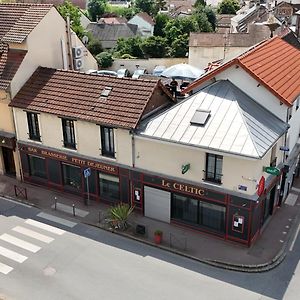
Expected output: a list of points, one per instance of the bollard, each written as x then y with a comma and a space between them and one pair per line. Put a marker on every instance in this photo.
73, 209
99, 216
55, 201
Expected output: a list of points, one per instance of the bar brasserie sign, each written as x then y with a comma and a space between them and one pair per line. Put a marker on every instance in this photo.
75, 160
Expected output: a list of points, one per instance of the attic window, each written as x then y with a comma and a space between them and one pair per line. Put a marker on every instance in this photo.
200, 117
106, 91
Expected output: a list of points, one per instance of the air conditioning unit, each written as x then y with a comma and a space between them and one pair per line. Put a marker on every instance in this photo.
77, 52
78, 63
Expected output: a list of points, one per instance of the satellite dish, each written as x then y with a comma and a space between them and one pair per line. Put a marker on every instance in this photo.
85, 40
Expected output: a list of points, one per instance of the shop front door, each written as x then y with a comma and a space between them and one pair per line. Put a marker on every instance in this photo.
9, 163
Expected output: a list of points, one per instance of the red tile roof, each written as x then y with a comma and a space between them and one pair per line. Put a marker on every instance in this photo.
274, 63
146, 18
77, 95
17, 20
10, 60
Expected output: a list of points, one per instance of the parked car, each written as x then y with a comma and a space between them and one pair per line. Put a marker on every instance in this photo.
102, 72
138, 72
123, 73
158, 70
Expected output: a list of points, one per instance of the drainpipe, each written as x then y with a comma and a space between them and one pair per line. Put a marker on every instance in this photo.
132, 148
69, 43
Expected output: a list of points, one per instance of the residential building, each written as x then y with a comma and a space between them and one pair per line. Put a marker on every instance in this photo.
261, 73
31, 35
206, 47
92, 120
144, 23
108, 34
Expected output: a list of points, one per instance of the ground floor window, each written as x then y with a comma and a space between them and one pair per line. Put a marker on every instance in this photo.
37, 166
71, 176
109, 187
196, 212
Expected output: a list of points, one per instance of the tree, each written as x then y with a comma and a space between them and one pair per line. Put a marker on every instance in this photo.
154, 46
95, 47
105, 59
228, 7
126, 12
203, 23
160, 22
145, 6
96, 8
200, 3
180, 46
159, 5
131, 46
204, 14
68, 9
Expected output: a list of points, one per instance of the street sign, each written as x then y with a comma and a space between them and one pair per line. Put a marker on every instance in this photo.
284, 148
87, 172
272, 170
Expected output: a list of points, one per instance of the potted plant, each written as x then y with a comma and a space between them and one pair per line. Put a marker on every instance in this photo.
158, 236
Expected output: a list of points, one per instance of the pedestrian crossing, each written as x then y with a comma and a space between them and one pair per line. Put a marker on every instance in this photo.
24, 240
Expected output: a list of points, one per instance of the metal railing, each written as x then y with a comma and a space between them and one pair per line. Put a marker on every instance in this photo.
179, 243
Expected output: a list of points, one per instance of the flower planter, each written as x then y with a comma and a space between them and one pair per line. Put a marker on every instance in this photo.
157, 238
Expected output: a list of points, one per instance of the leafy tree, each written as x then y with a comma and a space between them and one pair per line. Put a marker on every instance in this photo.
145, 6
96, 8
228, 7
68, 9
95, 47
203, 23
180, 46
180, 26
154, 46
126, 12
131, 46
200, 3
105, 59
159, 5
160, 22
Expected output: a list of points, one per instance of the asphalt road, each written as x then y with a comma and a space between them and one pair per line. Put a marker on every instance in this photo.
84, 262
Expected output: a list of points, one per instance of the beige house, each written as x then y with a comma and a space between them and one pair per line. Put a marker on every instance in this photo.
31, 35
205, 48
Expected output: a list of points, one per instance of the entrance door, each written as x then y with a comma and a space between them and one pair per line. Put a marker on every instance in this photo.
9, 163
157, 204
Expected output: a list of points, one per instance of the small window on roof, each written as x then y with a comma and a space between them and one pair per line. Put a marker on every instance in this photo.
106, 91
200, 117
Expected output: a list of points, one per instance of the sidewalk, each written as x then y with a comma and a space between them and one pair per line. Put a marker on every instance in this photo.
267, 252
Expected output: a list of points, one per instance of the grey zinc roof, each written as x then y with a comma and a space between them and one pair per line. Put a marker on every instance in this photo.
237, 124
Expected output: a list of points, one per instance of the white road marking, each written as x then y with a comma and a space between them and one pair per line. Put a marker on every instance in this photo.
294, 239
12, 255
57, 220
46, 227
33, 234
5, 269
19, 243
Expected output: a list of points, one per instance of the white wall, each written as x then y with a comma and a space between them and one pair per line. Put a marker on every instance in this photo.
87, 137
44, 49
167, 158
145, 28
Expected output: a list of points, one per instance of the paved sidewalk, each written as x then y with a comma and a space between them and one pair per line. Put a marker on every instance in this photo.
267, 252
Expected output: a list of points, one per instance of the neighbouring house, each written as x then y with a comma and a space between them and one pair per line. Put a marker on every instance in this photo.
202, 159
92, 126
268, 73
208, 47
108, 34
179, 8
82, 4
31, 35
223, 24
112, 20
248, 15
144, 23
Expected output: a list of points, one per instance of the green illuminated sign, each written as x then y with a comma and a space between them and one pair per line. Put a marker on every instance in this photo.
185, 168
272, 170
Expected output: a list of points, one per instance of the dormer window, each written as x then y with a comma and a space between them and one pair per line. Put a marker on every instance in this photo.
106, 91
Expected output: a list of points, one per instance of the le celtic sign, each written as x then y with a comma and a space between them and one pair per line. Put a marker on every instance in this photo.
272, 170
